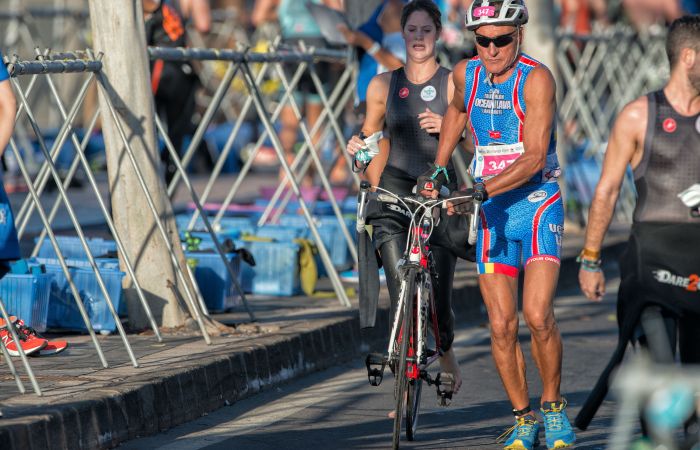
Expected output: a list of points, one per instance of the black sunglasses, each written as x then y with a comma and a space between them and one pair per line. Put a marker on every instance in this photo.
498, 41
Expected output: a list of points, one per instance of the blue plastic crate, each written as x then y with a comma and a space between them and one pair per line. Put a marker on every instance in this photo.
276, 271
320, 207
331, 236
106, 263
349, 205
214, 279
27, 297
72, 248
282, 233
63, 312
242, 225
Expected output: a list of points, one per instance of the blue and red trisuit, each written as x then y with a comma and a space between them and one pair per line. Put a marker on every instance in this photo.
525, 224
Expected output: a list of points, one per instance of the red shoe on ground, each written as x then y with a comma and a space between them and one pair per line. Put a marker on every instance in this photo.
51, 348
30, 343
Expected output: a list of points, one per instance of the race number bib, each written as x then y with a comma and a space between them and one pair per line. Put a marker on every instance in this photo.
493, 159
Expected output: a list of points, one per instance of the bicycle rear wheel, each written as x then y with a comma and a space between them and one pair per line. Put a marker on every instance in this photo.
401, 382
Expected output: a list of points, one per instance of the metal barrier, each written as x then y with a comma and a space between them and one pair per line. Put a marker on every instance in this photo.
36, 187
44, 67
239, 63
599, 74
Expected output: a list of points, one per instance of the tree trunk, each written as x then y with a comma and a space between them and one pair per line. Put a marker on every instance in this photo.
118, 31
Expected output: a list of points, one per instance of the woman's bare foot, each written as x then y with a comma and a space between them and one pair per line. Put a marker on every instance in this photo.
449, 363
392, 413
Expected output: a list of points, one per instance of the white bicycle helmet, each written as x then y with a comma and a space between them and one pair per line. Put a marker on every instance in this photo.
496, 12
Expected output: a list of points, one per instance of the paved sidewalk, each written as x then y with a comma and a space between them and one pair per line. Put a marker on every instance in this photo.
85, 406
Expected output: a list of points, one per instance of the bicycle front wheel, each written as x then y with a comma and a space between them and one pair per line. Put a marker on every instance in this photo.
412, 406
401, 382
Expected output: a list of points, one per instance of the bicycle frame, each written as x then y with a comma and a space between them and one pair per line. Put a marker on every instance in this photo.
408, 354
417, 255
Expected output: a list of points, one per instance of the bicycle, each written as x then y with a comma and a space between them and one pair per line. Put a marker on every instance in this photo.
408, 354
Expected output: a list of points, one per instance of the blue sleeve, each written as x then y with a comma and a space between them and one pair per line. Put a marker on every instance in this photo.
371, 28
4, 75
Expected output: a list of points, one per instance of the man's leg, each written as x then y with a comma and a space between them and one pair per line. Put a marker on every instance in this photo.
538, 295
499, 292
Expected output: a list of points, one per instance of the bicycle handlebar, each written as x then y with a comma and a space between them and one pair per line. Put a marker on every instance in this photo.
426, 203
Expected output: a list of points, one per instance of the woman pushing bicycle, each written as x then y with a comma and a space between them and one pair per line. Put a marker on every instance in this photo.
400, 137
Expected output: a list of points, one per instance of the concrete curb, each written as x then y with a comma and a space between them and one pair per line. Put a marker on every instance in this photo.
151, 403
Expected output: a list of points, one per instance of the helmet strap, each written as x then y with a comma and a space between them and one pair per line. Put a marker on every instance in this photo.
513, 61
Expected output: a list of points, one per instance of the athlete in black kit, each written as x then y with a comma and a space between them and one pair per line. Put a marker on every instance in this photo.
658, 135
410, 102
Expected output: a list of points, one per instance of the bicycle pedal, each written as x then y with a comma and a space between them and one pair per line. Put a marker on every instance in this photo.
444, 385
375, 368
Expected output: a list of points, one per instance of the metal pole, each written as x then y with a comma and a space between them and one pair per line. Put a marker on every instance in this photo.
80, 157
316, 160
20, 350
45, 173
11, 365
205, 219
262, 113
249, 163
281, 189
206, 119
227, 148
154, 211
71, 213
338, 92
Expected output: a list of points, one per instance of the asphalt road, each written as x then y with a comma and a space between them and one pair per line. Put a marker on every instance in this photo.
338, 409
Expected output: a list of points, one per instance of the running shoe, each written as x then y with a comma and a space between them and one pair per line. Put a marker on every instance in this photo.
523, 435
557, 429
51, 348
30, 344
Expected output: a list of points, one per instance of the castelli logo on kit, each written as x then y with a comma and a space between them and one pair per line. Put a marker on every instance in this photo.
403, 93
669, 125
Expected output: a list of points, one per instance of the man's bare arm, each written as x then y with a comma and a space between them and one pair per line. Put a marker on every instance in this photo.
625, 146
8, 109
540, 105
455, 118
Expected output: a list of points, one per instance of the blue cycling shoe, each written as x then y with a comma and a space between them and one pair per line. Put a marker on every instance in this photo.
557, 429
523, 435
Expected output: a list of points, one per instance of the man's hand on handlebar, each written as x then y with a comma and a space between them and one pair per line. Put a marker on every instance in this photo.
462, 202
459, 203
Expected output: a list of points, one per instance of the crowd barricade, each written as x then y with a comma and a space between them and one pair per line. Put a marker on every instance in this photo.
241, 64
598, 74
89, 67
